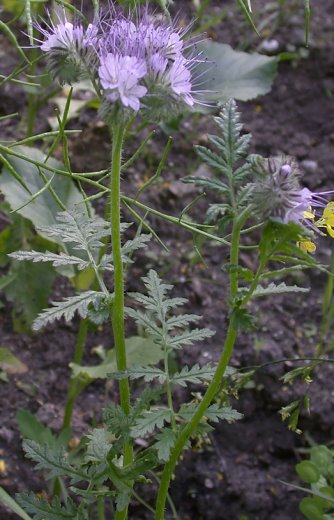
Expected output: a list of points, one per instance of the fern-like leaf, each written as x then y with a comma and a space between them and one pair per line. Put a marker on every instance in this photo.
183, 320
52, 459
77, 228
195, 374
235, 146
215, 212
57, 260
43, 510
145, 321
211, 158
133, 245
117, 422
188, 338
280, 288
148, 421
148, 373
98, 446
214, 413
68, 307
166, 440
208, 184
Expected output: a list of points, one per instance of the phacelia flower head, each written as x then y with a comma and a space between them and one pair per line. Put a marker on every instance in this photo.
170, 63
277, 193
70, 47
139, 61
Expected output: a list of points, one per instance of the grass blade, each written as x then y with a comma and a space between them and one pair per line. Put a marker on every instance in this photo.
8, 501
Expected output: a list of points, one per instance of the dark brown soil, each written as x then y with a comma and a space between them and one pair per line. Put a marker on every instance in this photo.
239, 476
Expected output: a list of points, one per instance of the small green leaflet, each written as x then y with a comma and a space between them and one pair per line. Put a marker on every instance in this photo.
148, 421
98, 446
68, 307
208, 184
148, 373
166, 440
181, 320
76, 227
117, 421
212, 159
280, 288
53, 459
214, 413
195, 374
188, 337
57, 260
43, 510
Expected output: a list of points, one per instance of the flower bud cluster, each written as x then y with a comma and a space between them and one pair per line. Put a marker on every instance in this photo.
139, 63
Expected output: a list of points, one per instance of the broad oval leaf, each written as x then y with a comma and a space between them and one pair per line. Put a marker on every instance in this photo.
42, 210
235, 74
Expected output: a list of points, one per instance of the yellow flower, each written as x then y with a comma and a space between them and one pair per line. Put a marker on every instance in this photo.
327, 219
307, 245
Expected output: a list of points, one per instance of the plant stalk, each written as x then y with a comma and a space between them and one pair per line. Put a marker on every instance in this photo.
212, 389
117, 310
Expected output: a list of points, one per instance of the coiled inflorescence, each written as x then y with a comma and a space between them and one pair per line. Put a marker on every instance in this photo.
276, 192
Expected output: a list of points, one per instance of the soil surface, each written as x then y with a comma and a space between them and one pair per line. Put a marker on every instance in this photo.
238, 476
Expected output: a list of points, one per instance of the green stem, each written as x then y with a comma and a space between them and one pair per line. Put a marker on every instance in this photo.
253, 285
327, 307
169, 388
192, 425
100, 508
32, 100
234, 255
212, 389
73, 385
117, 311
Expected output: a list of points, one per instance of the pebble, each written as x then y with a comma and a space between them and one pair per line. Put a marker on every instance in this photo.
270, 47
6, 434
208, 483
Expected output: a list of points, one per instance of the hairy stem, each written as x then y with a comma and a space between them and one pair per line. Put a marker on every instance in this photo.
189, 429
117, 311
212, 389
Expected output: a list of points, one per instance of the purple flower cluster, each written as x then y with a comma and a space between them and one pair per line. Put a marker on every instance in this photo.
140, 63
